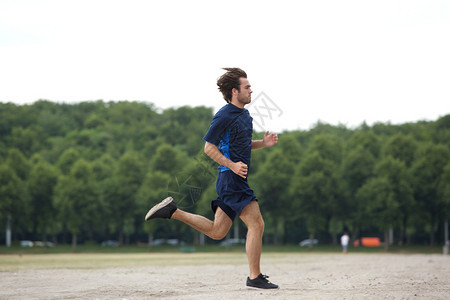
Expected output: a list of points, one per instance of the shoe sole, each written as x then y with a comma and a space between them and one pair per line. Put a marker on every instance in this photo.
157, 207
252, 288
257, 288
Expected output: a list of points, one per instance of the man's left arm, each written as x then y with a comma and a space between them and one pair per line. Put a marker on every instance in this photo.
267, 141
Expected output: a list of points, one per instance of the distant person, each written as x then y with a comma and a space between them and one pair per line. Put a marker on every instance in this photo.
229, 143
344, 242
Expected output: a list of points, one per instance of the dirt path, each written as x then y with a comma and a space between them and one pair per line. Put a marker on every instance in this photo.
194, 276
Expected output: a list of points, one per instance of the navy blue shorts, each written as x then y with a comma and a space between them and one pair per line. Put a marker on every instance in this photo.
233, 194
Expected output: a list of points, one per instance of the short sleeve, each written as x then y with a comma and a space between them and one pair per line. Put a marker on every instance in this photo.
219, 125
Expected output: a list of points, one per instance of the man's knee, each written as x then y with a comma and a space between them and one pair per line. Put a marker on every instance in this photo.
261, 225
257, 225
218, 234
220, 231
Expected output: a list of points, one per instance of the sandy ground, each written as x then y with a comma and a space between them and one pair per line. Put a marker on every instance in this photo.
196, 276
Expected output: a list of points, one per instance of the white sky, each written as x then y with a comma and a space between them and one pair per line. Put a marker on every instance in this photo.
335, 61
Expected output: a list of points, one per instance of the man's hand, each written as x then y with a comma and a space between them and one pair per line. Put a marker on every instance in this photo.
270, 139
240, 169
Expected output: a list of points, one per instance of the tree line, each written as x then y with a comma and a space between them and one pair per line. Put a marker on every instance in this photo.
73, 173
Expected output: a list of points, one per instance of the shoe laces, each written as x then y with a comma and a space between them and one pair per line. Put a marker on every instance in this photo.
264, 276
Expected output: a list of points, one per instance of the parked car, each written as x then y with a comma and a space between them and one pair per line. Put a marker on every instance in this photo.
50, 244
158, 242
110, 243
39, 244
172, 242
231, 242
308, 242
26, 244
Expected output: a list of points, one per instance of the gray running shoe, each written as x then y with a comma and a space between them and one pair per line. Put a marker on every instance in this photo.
260, 282
162, 210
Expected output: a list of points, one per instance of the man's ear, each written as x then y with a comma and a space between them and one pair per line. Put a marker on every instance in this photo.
234, 91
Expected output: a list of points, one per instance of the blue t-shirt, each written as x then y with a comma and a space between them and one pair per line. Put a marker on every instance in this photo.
231, 131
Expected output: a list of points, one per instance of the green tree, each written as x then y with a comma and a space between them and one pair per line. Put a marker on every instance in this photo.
17, 161
272, 180
328, 146
271, 183
168, 159
387, 196
399, 176
441, 132
444, 194
67, 159
357, 166
103, 167
41, 183
26, 139
13, 204
357, 169
76, 199
330, 149
121, 190
104, 170
315, 190
427, 173
380, 203
402, 147
343, 160
309, 192
365, 139
151, 191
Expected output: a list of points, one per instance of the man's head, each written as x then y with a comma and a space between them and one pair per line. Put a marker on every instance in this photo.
230, 83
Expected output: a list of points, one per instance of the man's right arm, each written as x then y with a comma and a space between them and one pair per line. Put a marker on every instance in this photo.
238, 168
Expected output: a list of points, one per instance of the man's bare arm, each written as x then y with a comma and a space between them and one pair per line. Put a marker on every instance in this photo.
257, 144
238, 168
267, 141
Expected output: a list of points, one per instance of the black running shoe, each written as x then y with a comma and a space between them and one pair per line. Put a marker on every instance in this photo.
162, 210
260, 282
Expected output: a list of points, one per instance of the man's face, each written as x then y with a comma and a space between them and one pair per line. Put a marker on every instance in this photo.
245, 93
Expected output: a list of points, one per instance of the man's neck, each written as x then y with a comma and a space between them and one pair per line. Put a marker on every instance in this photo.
236, 103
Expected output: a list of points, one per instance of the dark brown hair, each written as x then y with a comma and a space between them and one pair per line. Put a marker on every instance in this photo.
229, 81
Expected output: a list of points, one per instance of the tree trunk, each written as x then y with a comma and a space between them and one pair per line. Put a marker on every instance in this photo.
121, 236
391, 236
74, 242
91, 233
408, 240
196, 239
386, 239
311, 238
44, 234
334, 239
403, 234
8, 230
275, 236
432, 236
280, 229
202, 239
150, 240
446, 233
401, 237
64, 235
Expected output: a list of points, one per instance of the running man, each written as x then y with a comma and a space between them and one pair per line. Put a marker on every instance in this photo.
229, 143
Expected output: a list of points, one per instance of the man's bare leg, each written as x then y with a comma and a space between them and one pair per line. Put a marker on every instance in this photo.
216, 229
251, 216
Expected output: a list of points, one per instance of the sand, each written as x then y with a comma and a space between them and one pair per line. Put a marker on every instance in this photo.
222, 276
